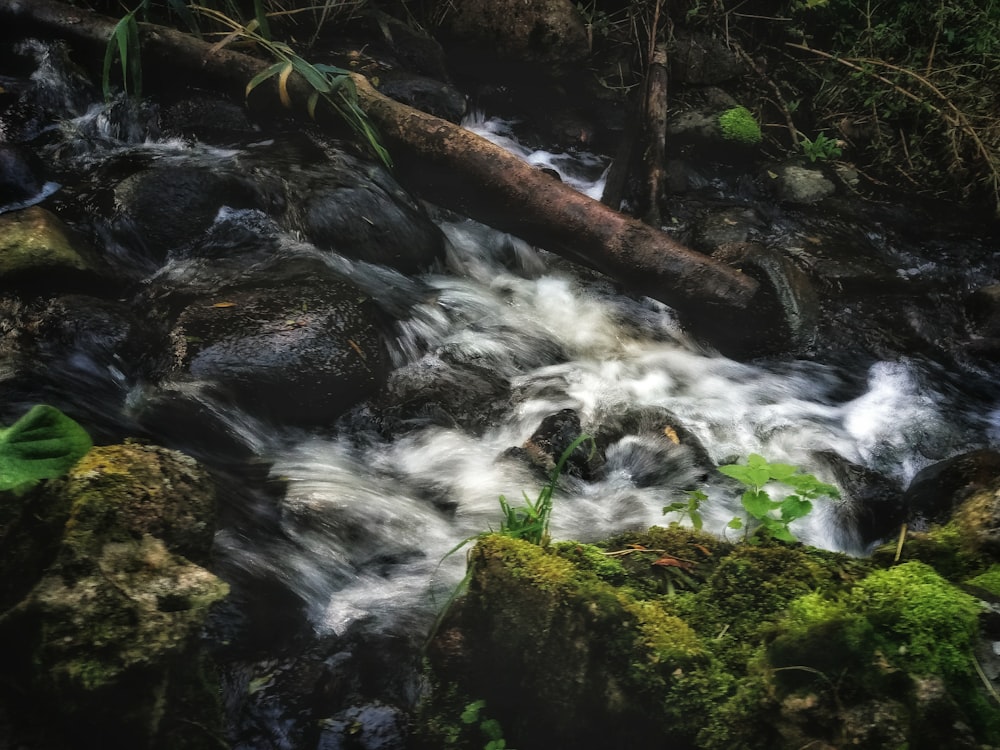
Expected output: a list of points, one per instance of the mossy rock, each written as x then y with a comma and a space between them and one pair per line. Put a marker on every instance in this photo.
107, 640
36, 243
757, 646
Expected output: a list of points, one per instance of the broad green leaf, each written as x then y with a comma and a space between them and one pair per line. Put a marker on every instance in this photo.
735, 523
782, 472
780, 531
752, 475
794, 507
757, 504
42, 444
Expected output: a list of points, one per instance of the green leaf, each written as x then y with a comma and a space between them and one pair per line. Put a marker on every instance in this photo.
42, 444
492, 729
780, 531
793, 507
735, 523
758, 504
782, 472
471, 713
269, 72
696, 520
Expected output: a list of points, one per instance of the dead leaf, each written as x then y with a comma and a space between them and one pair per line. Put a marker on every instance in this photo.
224, 304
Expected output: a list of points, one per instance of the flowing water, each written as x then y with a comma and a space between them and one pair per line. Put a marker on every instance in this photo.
362, 534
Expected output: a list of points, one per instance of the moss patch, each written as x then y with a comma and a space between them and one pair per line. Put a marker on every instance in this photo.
764, 646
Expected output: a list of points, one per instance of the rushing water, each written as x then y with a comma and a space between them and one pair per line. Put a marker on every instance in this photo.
363, 532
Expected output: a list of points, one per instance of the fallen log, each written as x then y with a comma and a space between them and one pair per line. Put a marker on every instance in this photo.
436, 157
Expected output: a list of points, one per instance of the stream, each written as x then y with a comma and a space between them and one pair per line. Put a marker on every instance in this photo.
343, 540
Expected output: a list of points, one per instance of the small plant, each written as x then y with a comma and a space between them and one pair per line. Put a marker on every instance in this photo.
758, 472
530, 522
820, 149
42, 444
124, 44
739, 124
328, 83
473, 714
691, 508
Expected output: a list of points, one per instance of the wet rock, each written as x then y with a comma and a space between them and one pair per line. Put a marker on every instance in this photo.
208, 119
653, 447
358, 209
371, 727
937, 491
787, 310
702, 59
450, 394
36, 245
426, 94
164, 209
871, 505
726, 226
20, 174
299, 349
552, 439
105, 645
540, 32
795, 184
983, 309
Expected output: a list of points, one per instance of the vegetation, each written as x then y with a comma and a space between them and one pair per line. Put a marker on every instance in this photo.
475, 713
738, 124
328, 83
776, 646
531, 521
42, 444
820, 149
766, 517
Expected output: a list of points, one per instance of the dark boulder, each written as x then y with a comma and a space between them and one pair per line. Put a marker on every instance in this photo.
299, 349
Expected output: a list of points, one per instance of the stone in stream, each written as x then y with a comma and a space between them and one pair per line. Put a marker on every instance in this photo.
103, 600
292, 348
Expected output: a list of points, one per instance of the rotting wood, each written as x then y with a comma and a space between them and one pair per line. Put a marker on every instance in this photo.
447, 164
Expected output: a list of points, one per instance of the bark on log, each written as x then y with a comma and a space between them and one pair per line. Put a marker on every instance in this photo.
655, 123
496, 187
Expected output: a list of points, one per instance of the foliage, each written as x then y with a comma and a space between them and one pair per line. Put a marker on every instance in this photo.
531, 521
755, 475
42, 444
910, 85
491, 729
820, 149
739, 124
328, 83
691, 508
124, 44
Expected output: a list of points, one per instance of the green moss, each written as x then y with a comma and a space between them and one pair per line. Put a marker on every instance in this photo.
738, 124
989, 581
587, 557
923, 622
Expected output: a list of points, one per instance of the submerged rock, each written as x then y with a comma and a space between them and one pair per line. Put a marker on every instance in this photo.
106, 642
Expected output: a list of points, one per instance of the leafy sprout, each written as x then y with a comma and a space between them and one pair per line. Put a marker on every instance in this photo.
772, 517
